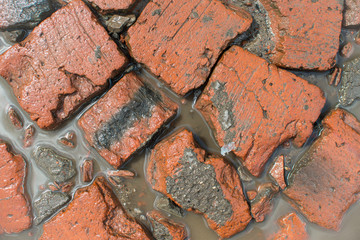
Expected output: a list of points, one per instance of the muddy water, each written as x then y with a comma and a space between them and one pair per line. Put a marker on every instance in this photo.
135, 194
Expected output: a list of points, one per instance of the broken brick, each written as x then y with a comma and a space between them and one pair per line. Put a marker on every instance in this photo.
299, 34
23, 13
15, 118
15, 211
125, 119
347, 50
350, 84
64, 62
291, 228
204, 184
87, 170
108, 6
256, 107
180, 41
277, 171
324, 182
261, 204
166, 229
94, 213
29, 136
351, 13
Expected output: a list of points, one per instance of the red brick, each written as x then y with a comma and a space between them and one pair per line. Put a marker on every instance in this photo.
351, 13
261, 204
180, 41
204, 184
112, 5
277, 171
15, 211
255, 107
305, 32
125, 119
164, 228
63, 63
94, 213
324, 183
291, 228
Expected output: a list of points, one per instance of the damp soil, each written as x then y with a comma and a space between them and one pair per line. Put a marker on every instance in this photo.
135, 194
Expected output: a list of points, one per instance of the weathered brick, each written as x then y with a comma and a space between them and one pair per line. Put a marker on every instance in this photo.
180, 41
94, 213
324, 182
64, 62
254, 107
204, 184
126, 118
15, 211
298, 34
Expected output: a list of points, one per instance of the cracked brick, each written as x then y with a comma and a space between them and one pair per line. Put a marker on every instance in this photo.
323, 184
64, 62
180, 41
255, 107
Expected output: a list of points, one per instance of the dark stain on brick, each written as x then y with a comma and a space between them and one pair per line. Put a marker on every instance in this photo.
139, 107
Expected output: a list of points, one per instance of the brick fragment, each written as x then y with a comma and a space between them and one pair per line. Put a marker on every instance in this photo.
299, 34
324, 182
64, 62
15, 118
291, 228
256, 107
125, 119
87, 170
15, 211
23, 13
277, 171
261, 204
180, 41
204, 184
94, 213
166, 229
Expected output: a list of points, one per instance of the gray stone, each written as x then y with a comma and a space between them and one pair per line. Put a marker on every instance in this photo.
57, 167
23, 13
48, 203
350, 82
